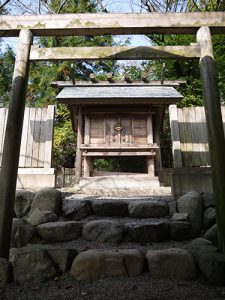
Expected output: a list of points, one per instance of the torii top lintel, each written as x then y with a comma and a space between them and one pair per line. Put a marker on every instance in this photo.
107, 23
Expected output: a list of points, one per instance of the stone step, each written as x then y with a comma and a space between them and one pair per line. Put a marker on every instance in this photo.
78, 207
47, 261
124, 186
102, 230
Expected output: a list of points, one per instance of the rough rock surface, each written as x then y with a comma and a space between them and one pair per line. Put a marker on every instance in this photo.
192, 204
74, 209
201, 245
63, 258
210, 262
23, 202
211, 235
180, 230
172, 207
31, 265
110, 207
97, 264
212, 265
24, 233
183, 217
47, 199
155, 231
38, 217
15, 224
148, 209
103, 231
5, 272
59, 231
209, 217
208, 200
171, 263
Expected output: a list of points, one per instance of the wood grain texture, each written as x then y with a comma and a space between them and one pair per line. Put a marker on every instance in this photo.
107, 23
12, 140
37, 136
214, 127
117, 53
175, 135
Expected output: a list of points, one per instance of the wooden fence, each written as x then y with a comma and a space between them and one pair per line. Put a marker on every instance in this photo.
189, 136
37, 137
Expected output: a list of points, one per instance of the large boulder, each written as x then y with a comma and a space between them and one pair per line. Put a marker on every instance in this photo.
31, 265
98, 264
172, 263
212, 235
210, 262
23, 202
209, 217
74, 209
59, 231
47, 199
192, 204
155, 231
38, 217
103, 231
110, 207
5, 272
148, 209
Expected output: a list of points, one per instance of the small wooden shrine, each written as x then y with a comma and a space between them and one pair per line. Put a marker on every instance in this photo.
118, 120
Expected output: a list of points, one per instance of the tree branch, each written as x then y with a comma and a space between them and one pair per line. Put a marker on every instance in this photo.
3, 4
61, 6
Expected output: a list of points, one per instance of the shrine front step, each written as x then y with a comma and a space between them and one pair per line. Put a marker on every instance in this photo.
123, 186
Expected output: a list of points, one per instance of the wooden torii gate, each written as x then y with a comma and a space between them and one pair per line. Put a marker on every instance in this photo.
99, 24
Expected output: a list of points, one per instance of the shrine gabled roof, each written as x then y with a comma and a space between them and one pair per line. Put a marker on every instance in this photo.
119, 94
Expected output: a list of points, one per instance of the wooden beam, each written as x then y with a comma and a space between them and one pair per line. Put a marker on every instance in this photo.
106, 23
78, 163
173, 83
163, 73
111, 53
122, 148
121, 153
11, 150
214, 127
175, 135
87, 166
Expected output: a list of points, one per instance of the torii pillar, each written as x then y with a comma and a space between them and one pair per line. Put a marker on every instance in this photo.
11, 149
214, 127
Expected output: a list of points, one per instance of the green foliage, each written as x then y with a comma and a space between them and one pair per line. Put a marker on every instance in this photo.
64, 139
6, 71
107, 164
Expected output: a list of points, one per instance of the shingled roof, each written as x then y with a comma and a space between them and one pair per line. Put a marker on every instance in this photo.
119, 95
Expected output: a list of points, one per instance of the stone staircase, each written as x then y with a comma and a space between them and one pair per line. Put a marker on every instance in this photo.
97, 237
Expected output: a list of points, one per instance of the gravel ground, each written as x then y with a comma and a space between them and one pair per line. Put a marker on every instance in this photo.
142, 287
